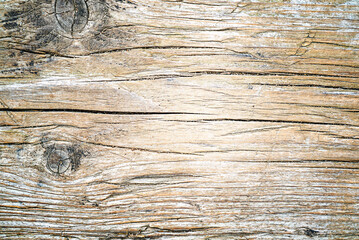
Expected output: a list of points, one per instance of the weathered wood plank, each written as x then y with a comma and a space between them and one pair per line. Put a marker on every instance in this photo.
179, 119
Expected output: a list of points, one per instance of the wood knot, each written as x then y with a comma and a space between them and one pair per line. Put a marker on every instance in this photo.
71, 15
65, 28
62, 159
308, 231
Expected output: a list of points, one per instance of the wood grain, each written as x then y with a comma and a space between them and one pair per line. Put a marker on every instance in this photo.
191, 119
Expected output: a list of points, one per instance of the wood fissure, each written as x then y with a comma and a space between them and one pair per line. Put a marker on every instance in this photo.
106, 112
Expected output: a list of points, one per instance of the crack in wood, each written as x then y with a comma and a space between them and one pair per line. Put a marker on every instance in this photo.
269, 121
271, 73
91, 111
137, 148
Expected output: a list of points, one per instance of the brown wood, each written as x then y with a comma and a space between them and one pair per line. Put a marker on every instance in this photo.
193, 119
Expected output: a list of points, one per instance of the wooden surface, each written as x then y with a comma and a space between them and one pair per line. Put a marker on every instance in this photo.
188, 119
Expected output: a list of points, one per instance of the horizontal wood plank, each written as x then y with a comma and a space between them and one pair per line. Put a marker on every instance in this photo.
179, 119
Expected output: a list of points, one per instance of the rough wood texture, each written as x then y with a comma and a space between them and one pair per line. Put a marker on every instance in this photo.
189, 119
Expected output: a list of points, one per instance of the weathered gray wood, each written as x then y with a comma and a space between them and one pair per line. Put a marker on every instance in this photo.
179, 119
